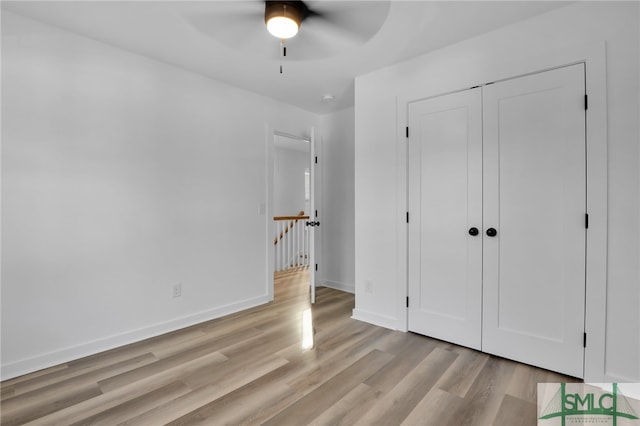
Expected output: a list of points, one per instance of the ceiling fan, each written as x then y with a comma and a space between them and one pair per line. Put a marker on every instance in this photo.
283, 20
312, 29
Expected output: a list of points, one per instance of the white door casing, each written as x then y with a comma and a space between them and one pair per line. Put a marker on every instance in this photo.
445, 199
535, 197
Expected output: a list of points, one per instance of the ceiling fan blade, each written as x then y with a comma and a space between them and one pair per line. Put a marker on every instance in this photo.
348, 17
315, 42
333, 34
236, 24
234, 32
337, 28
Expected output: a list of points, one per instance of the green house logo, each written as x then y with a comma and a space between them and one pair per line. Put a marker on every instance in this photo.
565, 405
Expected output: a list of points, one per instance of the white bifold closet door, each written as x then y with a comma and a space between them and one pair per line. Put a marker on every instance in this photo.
507, 160
445, 201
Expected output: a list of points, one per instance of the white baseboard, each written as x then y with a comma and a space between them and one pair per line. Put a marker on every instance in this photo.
616, 378
375, 319
349, 288
50, 359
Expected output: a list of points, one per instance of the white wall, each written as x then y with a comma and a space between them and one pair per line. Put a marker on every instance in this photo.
499, 54
122, 176
337, 163
289, 166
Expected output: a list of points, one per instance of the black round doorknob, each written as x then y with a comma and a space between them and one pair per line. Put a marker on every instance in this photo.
492, 232
473, 231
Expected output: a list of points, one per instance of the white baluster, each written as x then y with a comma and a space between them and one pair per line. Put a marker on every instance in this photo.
280, 242
289, 244
296, 251
286, 246
282, 245
293, 244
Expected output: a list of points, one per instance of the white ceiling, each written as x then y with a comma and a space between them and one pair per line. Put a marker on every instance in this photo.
228, 41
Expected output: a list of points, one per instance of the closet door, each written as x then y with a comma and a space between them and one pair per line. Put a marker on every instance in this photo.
534, 198
445, 203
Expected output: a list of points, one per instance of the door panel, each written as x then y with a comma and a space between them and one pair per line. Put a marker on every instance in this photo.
445, 200
312, 218
534, 196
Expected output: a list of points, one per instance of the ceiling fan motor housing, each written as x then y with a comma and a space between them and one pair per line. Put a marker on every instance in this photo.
294, 10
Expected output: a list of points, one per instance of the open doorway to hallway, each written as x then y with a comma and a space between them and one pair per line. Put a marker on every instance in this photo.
293, 209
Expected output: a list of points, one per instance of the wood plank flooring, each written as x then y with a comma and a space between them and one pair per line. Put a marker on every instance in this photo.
250, 368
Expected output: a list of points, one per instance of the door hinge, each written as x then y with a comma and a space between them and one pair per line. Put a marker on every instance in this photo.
586, 220
586, 102
584, 340
316, 159
407, 301
316, 266
407, 129
407, 217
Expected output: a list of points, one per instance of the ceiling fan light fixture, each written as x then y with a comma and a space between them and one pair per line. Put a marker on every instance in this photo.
282, 27
282, 18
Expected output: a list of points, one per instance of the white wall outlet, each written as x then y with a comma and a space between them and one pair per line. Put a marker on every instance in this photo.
262, 209
177, 290
368, 286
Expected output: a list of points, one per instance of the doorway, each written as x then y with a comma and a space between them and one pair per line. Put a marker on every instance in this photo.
293, 206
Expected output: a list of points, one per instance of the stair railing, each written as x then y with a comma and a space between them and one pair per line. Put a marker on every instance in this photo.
291, 242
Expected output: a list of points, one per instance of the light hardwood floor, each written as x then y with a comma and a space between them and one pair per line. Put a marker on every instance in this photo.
250, 368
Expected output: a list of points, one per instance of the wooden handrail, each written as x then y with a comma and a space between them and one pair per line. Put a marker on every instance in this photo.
291, 242
294, 219
290, 217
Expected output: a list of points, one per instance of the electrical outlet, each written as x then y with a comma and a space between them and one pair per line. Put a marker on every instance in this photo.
368, 286
177, 290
